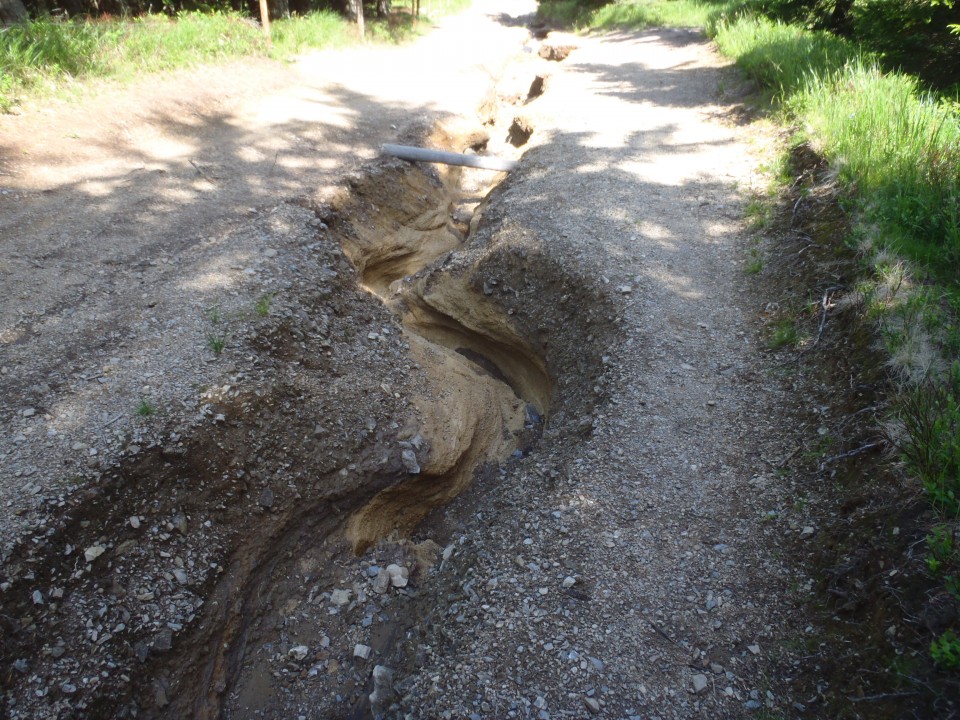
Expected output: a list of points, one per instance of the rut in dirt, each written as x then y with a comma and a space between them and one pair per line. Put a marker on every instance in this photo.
393, 246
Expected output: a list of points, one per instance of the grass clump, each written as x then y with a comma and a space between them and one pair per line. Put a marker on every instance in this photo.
754, 264
899, 148
784, 334
780, 57
945, 651
931, 418
262, 306
216, 342
145, 408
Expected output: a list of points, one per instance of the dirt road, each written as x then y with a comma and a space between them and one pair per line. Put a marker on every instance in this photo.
240, 365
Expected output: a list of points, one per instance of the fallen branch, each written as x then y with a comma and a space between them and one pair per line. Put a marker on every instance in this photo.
856, 451
824, 307
405, 152
883, 696
202, 173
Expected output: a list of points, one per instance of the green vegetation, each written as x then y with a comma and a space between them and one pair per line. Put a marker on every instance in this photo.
784, 334
262, 306
145, 408
46, 54
945, 650
931, 417
216, 342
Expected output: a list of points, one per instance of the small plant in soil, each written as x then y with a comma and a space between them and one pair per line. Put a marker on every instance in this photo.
784, 334
145, 408
759, 214
263, 306
215, 314
216, 342
755, 265
945, 651
931, 417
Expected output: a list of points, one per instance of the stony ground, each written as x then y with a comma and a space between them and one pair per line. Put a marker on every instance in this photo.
233, 351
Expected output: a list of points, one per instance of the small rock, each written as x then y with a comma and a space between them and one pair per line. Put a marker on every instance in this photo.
28, 412
382, 686
569, 581
555, 53
381, 582
21, 665
398, 575
93, 552
362, 651
755, 649
68, 689
180, 523
37, 597
266, 498
163, 642
340, 597
409, 460
180, 575
592, 705
700, 684
298, 652
807, 532
134, 522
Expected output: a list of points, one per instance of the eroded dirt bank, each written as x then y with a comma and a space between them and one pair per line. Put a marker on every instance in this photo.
431, 442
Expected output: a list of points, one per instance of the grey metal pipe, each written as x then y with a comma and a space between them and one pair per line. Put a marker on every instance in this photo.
406, 152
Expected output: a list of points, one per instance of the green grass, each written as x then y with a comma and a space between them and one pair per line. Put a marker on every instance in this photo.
677, 13
781, 58
754, 265
784, 334
899, 149
636, 14
46, 55
262, 306
216, 342
945, 651
145, 408
931, 417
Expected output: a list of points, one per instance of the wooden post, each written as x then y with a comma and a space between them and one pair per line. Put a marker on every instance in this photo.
359, 4
265, 18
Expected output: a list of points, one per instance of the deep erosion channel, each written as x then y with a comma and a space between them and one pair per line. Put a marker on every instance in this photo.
487, 390
420, 355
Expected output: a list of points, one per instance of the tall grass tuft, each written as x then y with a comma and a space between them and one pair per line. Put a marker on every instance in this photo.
320, 29
780, 57
899, 147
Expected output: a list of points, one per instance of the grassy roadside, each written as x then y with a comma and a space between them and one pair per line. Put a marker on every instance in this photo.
48, 56
893, 156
